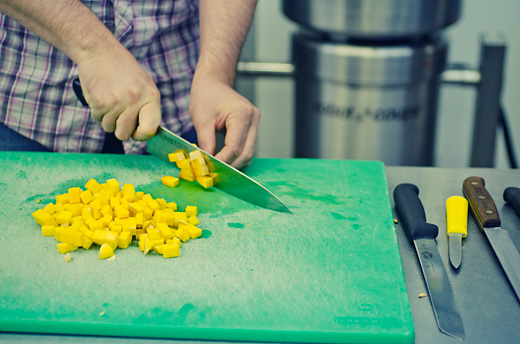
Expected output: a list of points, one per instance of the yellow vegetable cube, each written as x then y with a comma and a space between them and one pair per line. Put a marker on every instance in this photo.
121, 212
124, 239
172, 205
63, 217
86, 243
86, 196
141, 245
193, 231
95, 225
214, 176
182, 235
105, 251
113, 184
205, 181
63, 199
159, 248
170, 181
180, 217
117, 228
71, 235
174, 241
136, 207
183, 164
48, 230
191, 210
74, 195
64, 247
178, 155
196, 154
193, 220
93, 186
201, 171
153, 233
43, 218
107, 210
170, 251
187, 174
128, 192
165, 231
139, 218
50, 208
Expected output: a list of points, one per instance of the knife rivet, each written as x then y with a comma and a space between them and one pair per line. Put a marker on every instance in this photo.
489, 211
474, 183
482, 197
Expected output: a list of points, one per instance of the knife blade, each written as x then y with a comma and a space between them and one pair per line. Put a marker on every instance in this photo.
411, 212
231, 180
457, 227
512, 196
486, 215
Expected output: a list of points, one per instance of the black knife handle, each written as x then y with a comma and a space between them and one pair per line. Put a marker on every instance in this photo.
512, 196
481, 203
76, 86
411, 213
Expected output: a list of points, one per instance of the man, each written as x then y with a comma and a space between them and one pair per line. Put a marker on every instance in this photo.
139, 66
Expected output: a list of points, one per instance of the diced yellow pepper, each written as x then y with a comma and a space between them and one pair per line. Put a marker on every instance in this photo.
139, 217
71, 235
191, 210
136, 207
182, 235
196, 154
113, 184
95, 225
148, 245
121, 212
193, 231
63, 199
172, 205
50, 208
183, 164
124, 239
178, 155
201, 171
63, 217
165, 231
174, 241
205, 181
48, 230
128, 191
193, 220
153, 233
170, 251
187, 174
64, 247
74, 195
93, 186
180, 217
170, 181
86, 196
105, 251
43, 218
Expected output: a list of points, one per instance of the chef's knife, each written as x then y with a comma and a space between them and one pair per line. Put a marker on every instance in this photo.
457, 227
485, 212
512, 196
423, 234
230, 180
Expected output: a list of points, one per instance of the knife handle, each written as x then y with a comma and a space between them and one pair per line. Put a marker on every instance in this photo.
457, 215
512, 196
481, 203
76, 86
411, 212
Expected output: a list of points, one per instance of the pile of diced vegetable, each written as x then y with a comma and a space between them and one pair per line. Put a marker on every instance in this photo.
112, 216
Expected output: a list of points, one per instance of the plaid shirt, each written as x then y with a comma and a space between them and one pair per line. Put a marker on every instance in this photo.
36, 95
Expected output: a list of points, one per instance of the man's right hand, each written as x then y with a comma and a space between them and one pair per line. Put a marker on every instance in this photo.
121, 95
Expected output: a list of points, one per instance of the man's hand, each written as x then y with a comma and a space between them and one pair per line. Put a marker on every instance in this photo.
121, 95
214, 106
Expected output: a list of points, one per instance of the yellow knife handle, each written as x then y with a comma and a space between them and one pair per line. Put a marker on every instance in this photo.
457, 215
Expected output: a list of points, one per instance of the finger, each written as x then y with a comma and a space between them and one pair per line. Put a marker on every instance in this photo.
149, 121
235, 139
206, 137
249, 147
108, 121
126, 123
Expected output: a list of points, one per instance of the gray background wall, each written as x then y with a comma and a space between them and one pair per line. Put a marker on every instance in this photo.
274, 97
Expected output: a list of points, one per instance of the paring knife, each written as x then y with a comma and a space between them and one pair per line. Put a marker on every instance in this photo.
231, 180
485, 212
457, 227
423, 234
512, 196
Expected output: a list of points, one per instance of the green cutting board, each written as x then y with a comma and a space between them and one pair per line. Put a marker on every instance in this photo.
329, 273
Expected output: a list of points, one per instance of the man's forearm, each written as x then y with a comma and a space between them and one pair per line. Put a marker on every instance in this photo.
66, 24
223, 28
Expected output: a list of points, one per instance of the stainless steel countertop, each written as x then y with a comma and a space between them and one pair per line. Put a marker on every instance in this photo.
488, 306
